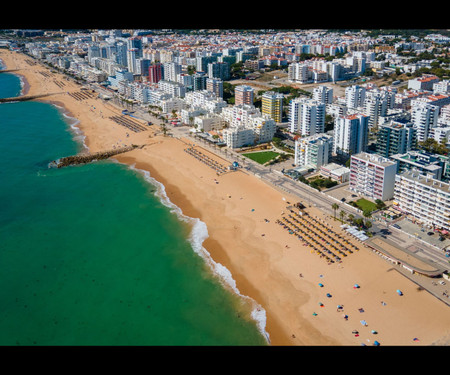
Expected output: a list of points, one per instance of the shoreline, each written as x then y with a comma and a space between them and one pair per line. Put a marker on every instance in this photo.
264, 260
198, 237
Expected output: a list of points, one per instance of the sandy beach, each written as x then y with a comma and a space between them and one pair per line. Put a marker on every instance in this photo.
267, 262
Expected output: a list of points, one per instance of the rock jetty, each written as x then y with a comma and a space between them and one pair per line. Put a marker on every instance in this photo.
87, 158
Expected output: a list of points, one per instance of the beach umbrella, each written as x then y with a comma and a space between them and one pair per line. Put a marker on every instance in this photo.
363, 322
356, 286
374, 332
399, 292
328, 295
321, 285
376, 343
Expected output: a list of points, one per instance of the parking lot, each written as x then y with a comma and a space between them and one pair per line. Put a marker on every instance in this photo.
418, 232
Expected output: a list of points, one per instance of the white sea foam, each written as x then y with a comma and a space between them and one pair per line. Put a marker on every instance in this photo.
73, 123
198, 235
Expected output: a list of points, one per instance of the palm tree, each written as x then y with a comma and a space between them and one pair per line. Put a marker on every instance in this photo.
351, 217
335, 206
342, 215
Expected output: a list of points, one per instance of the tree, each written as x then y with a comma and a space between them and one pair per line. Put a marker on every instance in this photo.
350, 218
335, 206
342, 215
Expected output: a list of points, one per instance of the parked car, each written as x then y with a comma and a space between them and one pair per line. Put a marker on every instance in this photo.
396, 226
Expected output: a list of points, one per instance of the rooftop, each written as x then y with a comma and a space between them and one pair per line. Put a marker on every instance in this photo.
426, 180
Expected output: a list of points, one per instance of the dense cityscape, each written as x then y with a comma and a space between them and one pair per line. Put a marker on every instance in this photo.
354, 123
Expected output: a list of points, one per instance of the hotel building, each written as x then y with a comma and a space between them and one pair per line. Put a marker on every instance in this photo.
372, 176
423, 197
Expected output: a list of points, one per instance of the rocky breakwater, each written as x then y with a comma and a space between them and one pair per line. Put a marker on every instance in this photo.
87, 158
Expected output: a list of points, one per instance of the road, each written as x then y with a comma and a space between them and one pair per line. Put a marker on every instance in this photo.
306, 194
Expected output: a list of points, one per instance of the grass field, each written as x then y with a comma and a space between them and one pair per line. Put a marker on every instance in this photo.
364, 205
262, 157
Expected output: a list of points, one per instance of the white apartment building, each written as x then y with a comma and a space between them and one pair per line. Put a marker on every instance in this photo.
188, 115
442, 87
299, 73
205, 99
375, 106
313, 151
424, 116
172, 104
372, 176
426, 199
238, 137
354, 96
242, 119
425, 82
208, 122
323, 94
306, 116
173, 88
171, 71
350, 134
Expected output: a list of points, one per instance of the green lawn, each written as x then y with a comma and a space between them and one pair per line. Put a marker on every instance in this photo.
262, 157
364, 205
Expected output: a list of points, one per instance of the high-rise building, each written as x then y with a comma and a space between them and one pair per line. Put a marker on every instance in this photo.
298, 72
375, 106
219, 70
323, 94
215, 85
313, 151
424, 116
354, 96
171, 71
155, 73
243, 94
272, 105
199, 79
423, 197
306, 116
372, 176
132, 56
350, 134
395, 138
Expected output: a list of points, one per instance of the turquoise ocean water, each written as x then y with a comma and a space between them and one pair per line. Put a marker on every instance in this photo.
95, 254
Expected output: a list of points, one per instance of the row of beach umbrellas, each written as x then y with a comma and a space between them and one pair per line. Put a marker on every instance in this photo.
219, 168
311, 232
